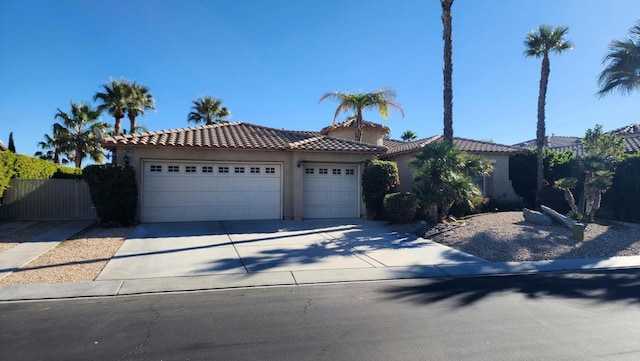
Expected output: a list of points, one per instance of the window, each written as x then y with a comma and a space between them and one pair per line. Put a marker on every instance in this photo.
223, 169
337, 171
349, 172
190, 169
255, 170
156, 168
323, 171
238, 170
207, 169
309, 170
173, 168
270, 170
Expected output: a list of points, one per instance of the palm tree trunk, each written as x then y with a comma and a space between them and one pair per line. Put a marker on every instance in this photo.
540, 128
447, 70
116, 125
78, 157
358, 125
132, 124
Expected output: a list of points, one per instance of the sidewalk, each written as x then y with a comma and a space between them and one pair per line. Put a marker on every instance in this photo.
444, 266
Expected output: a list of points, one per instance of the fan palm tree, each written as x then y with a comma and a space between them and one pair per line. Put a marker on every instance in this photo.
55, 147
380, 99
447, 69
622, 72
408, 136
208, 110
539, 44
114, 99
137, 101
79, 125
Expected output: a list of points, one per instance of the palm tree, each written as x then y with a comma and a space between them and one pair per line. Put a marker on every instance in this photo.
79, 126
55, 147
138, 100
443, 177
447, 69
622, 72
539, 44
209, 110
114, 99
380, 99
408, 136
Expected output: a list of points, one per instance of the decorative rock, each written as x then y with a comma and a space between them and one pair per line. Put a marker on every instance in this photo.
536, 217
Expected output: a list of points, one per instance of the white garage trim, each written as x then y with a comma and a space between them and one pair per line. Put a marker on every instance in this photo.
331, 190
182, 190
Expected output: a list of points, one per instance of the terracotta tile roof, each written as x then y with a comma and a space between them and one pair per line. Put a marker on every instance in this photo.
551, 142
240, 135
627, 129
632, 145
351, 123
468, 145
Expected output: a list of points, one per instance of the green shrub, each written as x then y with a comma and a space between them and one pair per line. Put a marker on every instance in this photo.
475, 204
400, 207
379, 178
114, 192
620, 202
14, 165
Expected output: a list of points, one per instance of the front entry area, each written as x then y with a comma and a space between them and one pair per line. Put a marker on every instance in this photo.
174, 191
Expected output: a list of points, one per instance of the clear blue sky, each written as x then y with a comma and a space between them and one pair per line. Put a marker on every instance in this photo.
270, 61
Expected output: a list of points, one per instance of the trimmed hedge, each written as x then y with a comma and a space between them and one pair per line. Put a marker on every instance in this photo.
14, 165
400, 207
114, 192
620, 202
379, 178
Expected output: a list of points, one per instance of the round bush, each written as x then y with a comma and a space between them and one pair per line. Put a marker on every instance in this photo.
400, 207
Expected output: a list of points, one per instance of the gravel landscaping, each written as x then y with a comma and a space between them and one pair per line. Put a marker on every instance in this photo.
506, 236
79, 259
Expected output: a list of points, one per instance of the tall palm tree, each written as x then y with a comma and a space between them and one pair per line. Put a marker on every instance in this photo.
622, 72
138, 100
114, 99
55, 147
209, 110
79, 125
539, 44
408, 136
447, 70
380, 99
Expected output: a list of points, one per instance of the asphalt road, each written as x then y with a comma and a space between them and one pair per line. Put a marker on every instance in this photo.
592, 316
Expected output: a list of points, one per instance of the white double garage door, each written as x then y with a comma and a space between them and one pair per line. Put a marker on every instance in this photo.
208, 191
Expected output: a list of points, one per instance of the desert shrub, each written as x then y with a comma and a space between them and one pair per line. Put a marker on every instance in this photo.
400, 207
114, 192
379, 178
476, 203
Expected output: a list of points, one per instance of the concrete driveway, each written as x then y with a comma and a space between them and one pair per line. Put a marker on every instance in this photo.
247, 247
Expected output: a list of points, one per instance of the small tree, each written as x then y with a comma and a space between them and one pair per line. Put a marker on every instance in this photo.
12, 146
379, 178
442, 177
567, 185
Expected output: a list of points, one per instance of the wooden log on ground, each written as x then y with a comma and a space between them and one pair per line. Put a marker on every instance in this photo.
576, 228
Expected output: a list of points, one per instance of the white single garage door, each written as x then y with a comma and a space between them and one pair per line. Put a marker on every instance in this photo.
331, 191
184, 191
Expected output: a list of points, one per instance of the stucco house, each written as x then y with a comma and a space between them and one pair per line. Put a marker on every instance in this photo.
233, 171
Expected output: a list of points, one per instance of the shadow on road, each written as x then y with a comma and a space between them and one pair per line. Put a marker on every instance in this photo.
598, 286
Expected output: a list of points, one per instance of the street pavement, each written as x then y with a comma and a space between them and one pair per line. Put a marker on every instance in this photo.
166, 257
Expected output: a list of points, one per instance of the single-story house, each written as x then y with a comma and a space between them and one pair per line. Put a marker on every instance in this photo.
233, 171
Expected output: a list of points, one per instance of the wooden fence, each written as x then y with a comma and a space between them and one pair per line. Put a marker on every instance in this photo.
47, 200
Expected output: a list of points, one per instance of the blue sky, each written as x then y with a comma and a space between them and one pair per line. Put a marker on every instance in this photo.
270, 61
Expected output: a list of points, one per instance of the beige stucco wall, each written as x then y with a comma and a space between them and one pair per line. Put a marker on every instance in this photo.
292, 174
369, 135
497, 185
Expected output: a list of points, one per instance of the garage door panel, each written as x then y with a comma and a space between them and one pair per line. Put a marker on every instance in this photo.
210, 191
331, 191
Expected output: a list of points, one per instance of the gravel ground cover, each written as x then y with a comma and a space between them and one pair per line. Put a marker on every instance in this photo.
506, 236
13, 239
79, 259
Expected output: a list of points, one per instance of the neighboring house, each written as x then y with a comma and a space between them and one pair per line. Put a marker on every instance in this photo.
234, 171
2, 146
496, 186
257, 173
630, 132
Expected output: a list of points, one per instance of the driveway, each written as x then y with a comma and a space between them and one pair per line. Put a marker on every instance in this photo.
246, 247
